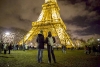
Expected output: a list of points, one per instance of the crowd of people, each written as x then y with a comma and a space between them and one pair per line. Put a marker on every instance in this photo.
93, 49
5, 47
41, 41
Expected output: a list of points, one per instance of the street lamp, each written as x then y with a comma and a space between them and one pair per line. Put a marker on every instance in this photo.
7, 33
98, 39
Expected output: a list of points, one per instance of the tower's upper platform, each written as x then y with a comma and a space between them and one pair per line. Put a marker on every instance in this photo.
50, 1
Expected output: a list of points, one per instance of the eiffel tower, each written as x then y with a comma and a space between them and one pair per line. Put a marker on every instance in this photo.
49, 20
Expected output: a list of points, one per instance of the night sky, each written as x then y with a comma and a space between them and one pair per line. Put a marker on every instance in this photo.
82, 17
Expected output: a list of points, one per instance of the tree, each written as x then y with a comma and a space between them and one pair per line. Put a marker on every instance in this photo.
92, 41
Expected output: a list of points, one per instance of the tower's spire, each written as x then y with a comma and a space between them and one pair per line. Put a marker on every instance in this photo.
50, 1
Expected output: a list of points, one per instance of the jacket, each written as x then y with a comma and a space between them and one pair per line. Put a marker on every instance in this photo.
40, 41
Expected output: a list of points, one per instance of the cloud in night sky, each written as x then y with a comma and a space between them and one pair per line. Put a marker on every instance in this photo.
81, 17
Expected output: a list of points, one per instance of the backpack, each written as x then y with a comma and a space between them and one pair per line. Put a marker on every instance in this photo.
51, 41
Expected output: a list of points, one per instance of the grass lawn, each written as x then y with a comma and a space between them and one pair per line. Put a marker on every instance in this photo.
28, 58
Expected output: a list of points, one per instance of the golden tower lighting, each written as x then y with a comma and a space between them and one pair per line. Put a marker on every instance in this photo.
49, 20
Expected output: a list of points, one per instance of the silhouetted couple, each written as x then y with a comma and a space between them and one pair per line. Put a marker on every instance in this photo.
50, 40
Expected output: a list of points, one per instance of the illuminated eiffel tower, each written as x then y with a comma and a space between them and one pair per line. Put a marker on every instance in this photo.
49, 20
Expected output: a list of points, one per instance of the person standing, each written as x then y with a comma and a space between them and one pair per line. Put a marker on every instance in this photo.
64, 48
0, 47
40, 46
24, 46
9, 48
50, 40
5, 48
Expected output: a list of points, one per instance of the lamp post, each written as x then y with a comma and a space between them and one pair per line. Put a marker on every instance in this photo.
98, 39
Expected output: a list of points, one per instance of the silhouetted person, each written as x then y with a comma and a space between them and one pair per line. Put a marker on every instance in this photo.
17, 46
1, 45
0, 48
5, 48
50, 40
9, 48
64, 49
24, 47
99, 48
40, 47
94, 50
86, 50
89, 47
